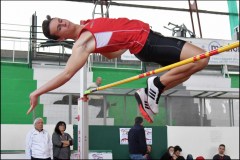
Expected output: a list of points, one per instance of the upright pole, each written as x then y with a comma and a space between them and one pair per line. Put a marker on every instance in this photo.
233, 15
199, 25
190, 10
83, 140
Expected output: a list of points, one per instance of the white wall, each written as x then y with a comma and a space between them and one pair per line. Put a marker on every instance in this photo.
54, 112
204, 141
207, 81
44, 73
13, 136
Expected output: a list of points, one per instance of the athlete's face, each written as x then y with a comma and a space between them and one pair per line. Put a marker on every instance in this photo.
61, 28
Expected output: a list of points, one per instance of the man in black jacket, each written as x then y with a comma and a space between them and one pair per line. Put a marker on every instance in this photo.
137, 140
221, 155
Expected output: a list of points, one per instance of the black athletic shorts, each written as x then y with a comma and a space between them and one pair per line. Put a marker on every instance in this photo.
160, 49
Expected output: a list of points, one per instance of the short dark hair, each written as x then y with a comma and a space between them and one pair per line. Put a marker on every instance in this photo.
222, 145
177, 148
57, 126
45, 28
138, 120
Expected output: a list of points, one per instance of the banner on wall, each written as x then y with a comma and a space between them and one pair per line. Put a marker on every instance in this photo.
230, 57
124, 135
94, 155
100, 155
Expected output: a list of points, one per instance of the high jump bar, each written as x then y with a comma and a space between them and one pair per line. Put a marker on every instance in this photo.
168, 67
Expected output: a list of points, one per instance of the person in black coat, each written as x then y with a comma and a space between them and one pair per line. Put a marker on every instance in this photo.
137, 140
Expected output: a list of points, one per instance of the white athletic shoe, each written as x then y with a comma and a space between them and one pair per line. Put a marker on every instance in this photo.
153, 95
144, 108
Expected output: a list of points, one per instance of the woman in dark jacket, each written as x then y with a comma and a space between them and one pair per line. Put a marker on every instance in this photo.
61, 142
168, 154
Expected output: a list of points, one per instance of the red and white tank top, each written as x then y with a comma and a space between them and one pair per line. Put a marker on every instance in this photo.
115, 34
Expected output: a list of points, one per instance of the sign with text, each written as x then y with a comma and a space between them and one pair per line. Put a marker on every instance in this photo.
230, 57
124, 135
98, 154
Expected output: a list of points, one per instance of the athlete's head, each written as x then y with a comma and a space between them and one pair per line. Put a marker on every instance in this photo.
57, 28
46, 28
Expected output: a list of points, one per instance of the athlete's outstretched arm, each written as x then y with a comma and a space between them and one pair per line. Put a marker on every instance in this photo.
80, 52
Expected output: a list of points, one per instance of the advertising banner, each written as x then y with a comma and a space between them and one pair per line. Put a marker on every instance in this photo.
124, 135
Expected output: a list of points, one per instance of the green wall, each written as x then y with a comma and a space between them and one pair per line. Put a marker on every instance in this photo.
113, 75
234, 81
16, 85
233, 19
108, 138
117, 112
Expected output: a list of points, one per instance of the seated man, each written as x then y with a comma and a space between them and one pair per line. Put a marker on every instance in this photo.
97, 100
177, 153
221, 155
95, 85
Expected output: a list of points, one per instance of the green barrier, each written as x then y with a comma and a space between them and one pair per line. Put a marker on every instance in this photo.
107, 138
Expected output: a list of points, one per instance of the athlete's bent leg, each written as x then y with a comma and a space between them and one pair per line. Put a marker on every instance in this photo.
175, 76
175, 83
180, 74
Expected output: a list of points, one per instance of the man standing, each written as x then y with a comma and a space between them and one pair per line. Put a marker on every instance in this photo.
137, 140
38, 142
221, 155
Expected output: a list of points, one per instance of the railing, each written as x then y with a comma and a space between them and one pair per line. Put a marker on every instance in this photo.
99, 61
14, 50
